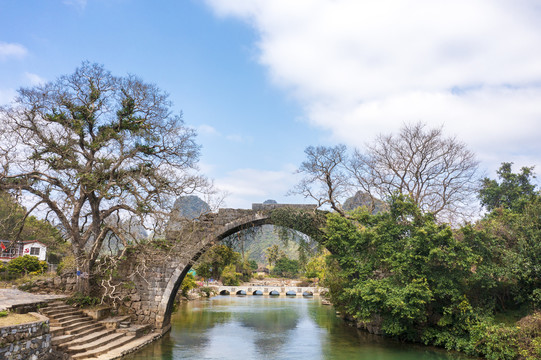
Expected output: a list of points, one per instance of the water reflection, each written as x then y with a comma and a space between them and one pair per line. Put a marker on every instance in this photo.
263, 327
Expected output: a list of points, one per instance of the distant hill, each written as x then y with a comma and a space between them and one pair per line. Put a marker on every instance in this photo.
364, 199
190, 207
257, 240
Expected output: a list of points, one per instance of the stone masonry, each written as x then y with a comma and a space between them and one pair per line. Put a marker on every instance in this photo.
153, 273
29, 341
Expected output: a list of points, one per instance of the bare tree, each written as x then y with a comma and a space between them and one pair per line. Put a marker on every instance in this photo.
325, 178
94, 148
439, 173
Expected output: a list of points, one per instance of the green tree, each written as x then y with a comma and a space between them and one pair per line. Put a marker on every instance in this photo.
285, 267
91, 148
187, 284
230, 276
16, 225
400, 268
215, 260
316, 267
253, 264
273, 253
512, 191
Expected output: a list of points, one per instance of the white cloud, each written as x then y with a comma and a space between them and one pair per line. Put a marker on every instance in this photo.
360, 68
207, 130
9, 50
246, 186
34, 79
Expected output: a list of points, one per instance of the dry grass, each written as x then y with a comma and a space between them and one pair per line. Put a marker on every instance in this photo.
16, 319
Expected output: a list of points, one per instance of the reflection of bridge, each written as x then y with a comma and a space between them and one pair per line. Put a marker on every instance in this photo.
268, 290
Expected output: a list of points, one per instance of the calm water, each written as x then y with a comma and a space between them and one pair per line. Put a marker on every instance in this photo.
261, 327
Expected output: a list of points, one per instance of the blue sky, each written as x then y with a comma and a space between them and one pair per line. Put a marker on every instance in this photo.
261, 80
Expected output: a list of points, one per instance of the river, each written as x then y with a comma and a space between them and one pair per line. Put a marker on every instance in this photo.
263, 327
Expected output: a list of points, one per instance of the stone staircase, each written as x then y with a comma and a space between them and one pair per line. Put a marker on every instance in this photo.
82, 337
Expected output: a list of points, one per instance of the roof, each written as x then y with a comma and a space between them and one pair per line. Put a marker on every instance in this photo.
33, 242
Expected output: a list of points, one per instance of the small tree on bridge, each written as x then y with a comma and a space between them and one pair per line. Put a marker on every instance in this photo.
97, 150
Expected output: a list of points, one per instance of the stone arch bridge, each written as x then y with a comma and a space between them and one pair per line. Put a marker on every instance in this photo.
151, 275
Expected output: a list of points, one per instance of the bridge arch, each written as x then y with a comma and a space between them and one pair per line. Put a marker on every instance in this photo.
229, 221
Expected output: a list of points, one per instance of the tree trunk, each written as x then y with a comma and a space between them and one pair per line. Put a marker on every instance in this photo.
83, 277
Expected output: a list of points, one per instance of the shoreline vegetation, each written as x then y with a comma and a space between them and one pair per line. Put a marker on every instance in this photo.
402, 274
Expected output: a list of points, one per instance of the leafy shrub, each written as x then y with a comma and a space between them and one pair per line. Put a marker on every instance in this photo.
26, 264
286, 267
187, 284
206, 290
230, 276
535, 298
82, 300
43, 268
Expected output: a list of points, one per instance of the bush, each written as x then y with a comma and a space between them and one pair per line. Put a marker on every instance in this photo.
82, 300
187, 284
286, 267
26, 264
535, 298
230, 276
206, 291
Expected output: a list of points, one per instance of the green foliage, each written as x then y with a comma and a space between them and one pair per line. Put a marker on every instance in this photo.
230, 276
26, 265
206, 290
420, 280
273, 253
80, 299
67, 265
316, 267
309, 223
14, 225
4, 313
215, 260
187, 284
285, 267
253, 241
246, 270
253, 264
400, 266
512, 192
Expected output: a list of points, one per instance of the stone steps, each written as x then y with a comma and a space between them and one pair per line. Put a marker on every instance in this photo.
105, 348
80, 336
66, 321
83, 328
74, 320
97, 343
56, 310
87, 338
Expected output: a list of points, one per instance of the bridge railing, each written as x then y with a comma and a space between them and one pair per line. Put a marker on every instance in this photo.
268, 290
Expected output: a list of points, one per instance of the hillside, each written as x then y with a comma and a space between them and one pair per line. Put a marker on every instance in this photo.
257, 240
